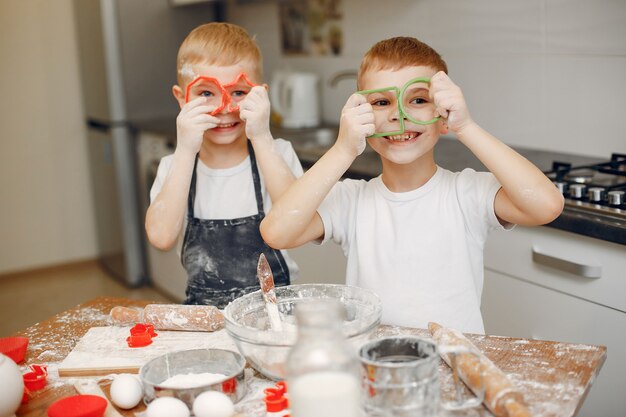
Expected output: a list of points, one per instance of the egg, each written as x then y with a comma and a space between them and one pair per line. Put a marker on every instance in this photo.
167, 407
213, 404
12, 386
126, 391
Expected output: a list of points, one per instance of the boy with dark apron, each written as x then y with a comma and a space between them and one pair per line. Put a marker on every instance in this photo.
223, 124
221, 256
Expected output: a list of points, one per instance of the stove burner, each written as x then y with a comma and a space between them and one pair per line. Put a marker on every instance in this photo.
600, 188
580, 176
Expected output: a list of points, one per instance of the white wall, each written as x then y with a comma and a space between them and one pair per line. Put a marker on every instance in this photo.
546, 74
46, 215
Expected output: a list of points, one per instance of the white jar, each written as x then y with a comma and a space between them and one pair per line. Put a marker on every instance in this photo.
12, 387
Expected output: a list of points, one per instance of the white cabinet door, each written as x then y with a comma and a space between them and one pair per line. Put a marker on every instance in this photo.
320, 264
517, 308
167, 273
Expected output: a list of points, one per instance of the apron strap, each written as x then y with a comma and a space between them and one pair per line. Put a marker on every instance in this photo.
192, 190
256, 179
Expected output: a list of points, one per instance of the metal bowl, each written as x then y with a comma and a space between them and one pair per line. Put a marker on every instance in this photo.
246, 321
195, 361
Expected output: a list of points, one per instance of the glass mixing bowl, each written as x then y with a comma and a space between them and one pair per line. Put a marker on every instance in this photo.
247, 322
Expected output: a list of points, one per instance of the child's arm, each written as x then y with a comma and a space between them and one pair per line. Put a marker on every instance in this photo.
164, 219
293, 219
255, 111
527, 196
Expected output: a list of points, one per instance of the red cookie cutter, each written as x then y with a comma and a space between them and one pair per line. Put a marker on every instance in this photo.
229, 386
37, 377
226, 101
141, 335
276, 398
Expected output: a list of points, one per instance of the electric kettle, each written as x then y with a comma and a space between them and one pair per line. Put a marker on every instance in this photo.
295, 97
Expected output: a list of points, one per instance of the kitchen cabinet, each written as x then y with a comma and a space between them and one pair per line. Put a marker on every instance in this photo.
524, 297
165, 270
320, 263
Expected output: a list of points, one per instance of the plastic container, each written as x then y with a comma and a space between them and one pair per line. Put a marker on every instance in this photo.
14, 347
78, 406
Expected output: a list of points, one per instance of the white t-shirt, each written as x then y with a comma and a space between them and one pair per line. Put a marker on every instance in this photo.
229, 193
421, 251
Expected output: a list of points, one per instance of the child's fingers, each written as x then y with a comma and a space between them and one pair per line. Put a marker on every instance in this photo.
205, 118
204, 109
440, 77
198, 101
355, 100
369, 129
254, 99
365, 118
244, 114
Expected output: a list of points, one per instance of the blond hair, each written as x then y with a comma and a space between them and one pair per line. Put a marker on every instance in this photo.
400, 52
217, 43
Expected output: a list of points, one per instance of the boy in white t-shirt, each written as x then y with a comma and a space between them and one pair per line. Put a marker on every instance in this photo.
415, 234
226, 169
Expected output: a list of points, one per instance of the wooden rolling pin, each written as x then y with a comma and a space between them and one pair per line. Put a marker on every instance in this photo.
501, 397
171, 317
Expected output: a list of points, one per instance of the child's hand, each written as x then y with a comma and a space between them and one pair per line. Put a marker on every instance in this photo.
255, 111
449, 100
356, 124
192, 121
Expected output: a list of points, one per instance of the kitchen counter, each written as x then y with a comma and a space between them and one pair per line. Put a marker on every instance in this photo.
449, 153
554, 377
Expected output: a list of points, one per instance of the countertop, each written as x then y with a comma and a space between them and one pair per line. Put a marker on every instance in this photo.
554, 377
450, 154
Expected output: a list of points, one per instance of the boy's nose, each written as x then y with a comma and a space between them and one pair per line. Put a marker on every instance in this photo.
395, 115
225, 106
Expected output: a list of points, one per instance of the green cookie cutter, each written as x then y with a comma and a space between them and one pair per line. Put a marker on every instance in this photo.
403, 115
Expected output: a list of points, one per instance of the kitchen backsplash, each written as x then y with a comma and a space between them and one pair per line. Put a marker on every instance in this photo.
546, 74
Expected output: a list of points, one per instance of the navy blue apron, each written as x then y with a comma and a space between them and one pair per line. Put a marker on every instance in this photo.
220, 256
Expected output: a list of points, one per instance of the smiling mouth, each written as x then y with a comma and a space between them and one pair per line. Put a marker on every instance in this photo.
406, 136
225, 125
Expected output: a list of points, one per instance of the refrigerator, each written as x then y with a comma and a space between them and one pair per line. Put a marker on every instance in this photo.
127, 54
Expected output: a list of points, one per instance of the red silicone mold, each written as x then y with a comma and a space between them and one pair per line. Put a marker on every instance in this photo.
78, 406
14, 347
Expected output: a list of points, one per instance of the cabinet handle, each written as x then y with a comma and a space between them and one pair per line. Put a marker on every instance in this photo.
587, 271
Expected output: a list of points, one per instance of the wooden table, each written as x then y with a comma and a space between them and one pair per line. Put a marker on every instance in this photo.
554, 377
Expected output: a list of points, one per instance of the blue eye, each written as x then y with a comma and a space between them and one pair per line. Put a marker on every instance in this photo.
239, 93
206, 94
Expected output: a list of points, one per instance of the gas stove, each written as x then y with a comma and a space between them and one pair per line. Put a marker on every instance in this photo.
598, 188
